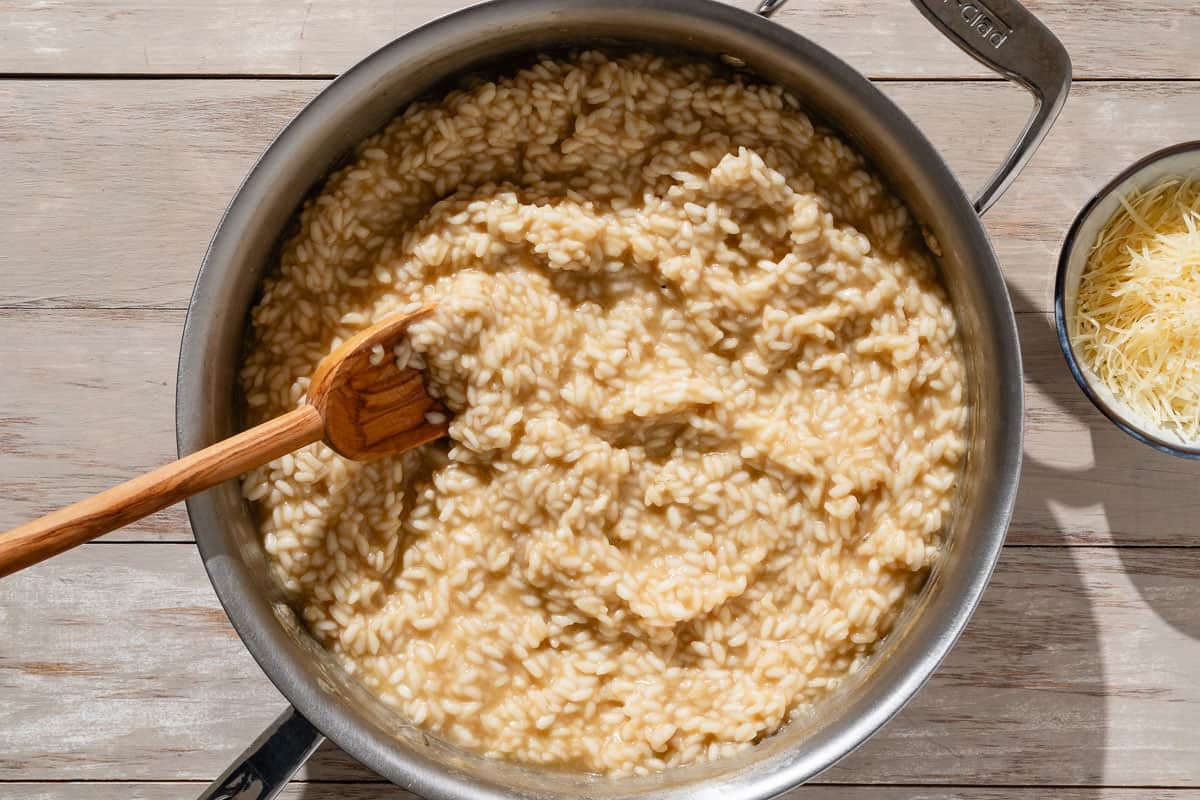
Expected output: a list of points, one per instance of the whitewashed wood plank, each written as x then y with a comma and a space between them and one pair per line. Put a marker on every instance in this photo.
114, 188
1078, 669
88, 401
117, 662
1106, 38
376, 791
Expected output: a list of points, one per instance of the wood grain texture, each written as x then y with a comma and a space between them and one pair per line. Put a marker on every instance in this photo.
372, 410
68, 397
1106, 38
1078, 669
87, 402
119, 673
114, 188
84, 520
375, 791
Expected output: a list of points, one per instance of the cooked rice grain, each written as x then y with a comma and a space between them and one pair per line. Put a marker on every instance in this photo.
708, 410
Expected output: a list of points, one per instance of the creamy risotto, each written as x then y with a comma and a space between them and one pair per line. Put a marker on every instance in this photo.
709, 414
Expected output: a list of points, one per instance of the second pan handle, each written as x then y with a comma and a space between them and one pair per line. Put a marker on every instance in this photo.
1006, 37
264, 769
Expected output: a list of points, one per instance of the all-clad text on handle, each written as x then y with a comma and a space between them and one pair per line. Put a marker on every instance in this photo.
1005, 36
979, 20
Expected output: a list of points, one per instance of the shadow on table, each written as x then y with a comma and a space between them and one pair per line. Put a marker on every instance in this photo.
1137, 495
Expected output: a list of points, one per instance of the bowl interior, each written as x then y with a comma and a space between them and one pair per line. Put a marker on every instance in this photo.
364, 99
1179, 161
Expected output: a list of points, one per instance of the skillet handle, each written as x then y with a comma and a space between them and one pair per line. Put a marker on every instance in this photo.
264, 769
1004, 36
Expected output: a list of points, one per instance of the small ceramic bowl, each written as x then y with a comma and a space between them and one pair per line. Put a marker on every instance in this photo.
1181, 160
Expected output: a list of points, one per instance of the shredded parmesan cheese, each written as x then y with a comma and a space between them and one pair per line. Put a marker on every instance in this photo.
1137, 317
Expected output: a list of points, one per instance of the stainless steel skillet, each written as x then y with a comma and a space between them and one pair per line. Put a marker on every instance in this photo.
1000, 33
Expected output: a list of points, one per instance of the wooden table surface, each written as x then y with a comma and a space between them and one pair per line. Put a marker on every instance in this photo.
125, 127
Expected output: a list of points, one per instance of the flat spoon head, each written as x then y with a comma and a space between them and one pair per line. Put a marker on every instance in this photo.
376, 409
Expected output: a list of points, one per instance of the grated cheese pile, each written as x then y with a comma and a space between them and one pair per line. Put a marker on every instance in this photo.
1137, 316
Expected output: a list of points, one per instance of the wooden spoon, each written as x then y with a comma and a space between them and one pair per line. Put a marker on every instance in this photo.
362, 410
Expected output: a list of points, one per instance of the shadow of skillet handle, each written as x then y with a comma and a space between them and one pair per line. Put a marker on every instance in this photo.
364, 410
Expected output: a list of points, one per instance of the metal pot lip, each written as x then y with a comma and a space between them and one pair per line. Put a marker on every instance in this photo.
1070, 243
250, 614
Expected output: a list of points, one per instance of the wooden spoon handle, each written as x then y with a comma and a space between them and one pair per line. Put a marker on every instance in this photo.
83, 521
